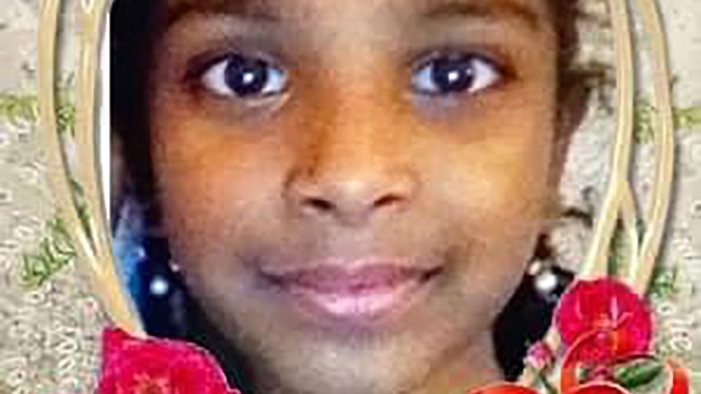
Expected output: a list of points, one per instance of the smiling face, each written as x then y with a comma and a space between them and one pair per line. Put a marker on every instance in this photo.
354, 188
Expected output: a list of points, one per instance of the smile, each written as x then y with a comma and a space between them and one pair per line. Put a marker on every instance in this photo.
366, 294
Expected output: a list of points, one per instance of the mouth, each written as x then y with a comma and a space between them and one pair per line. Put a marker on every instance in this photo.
354, 292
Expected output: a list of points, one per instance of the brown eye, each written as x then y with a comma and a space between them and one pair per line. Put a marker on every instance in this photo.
244, 77
454, 74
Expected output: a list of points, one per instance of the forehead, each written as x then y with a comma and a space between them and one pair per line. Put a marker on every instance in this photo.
534, 13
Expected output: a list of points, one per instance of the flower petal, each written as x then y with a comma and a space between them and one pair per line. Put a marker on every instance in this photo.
598, 388
680, 379
608, 306
173, 367
504, 388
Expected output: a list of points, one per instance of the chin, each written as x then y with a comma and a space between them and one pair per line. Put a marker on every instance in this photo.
345, 372
312, 362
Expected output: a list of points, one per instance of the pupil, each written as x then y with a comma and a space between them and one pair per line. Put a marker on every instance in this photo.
246, 77
453, 74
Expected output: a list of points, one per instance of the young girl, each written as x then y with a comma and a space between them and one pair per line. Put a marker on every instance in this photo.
350, 191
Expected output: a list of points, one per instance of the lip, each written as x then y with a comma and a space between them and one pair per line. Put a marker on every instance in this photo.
355, 292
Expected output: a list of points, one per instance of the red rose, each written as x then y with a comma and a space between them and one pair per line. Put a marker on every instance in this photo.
619, 317
157, 366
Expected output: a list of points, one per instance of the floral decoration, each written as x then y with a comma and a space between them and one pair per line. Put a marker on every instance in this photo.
606, 330
55, 251
616, 321
157, 366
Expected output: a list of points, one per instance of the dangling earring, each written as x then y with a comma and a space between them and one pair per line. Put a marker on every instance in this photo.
547, 279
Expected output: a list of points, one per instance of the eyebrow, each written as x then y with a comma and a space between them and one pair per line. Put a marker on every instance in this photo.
490, 9
256, 10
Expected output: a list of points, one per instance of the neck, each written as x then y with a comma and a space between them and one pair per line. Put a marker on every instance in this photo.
469, 368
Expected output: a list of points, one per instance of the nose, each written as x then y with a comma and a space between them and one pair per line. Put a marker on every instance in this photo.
352, 200
353, 180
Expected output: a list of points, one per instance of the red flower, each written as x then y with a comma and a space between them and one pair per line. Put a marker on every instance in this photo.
593, 388
157, 366
678, 384
602, 323
598, 388
617, 320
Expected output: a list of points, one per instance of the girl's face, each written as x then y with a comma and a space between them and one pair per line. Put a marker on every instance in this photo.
354, 188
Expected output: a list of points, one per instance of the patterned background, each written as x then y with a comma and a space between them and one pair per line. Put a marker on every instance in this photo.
50, 324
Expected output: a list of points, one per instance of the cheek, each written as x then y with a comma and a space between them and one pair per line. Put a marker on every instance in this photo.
499, 218
495, 159
501, 211
502, 180
495, 191
212, 187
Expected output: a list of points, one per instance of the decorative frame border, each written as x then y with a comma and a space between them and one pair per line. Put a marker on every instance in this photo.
91, 233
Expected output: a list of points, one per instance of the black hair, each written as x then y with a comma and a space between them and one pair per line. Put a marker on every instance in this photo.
134, 29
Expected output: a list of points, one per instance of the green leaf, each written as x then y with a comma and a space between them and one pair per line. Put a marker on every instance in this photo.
19, 109
664, 282
54, 252
643, 130
82, 207
65, 118
687, 118
644, 114
23, 109
638, 373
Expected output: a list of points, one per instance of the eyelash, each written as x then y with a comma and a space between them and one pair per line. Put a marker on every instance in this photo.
482, 72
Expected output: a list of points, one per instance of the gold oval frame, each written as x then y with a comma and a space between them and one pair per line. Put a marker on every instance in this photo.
91, 232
